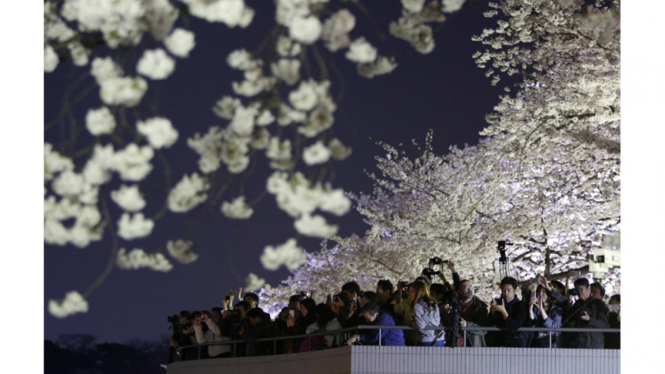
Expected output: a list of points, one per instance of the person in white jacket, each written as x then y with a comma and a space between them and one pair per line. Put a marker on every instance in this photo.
425, 313
213, 334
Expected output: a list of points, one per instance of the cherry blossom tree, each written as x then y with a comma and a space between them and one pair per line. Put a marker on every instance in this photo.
545, 177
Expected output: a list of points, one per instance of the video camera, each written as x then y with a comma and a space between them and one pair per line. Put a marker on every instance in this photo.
437, 261
429, 272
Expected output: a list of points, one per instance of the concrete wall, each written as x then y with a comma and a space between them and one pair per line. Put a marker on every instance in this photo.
421, 360
416, 360
330, 361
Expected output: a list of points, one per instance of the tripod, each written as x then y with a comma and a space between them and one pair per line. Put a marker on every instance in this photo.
503, 259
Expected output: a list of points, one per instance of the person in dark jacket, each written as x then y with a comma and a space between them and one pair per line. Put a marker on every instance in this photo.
261, 328
613, 340
473, 312
375, 316
508, 311
386, 300
587, 312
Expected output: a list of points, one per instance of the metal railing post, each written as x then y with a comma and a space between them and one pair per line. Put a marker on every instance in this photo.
379, 337
550, 334
274, 347
464, 338
199, 352
234, 349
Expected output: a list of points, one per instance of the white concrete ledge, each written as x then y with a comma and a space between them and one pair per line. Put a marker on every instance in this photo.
415, 360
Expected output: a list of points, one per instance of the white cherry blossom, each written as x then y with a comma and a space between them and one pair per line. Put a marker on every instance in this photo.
305, 29
159, 131
155, 64
180, 42
336, 30
338, 150
241, 59
253, 282
382, 65
133, 162
335, 202
188, 193
134, 226
72, 304
137, 259
51, 59
181, 250
100, 121
315, 226
287, 47
68, 183
129, 198
317, 153
105, 68
304, 98
361, 51
265, 118
226, 106
237, 209
287, 70
243, 121
450, 6
287, 254
231, 12
54, 162
414, 6
123, 91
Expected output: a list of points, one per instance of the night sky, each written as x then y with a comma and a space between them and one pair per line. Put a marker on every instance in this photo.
443, 91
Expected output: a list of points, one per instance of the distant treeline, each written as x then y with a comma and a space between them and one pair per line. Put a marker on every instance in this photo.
81, 354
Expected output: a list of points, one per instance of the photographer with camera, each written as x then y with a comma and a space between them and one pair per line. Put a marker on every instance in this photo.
450, 264
543, 313
508, 312
180, 337
472, 312
586, 312
212, 334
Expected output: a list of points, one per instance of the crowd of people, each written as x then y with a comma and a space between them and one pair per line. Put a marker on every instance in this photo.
418, 304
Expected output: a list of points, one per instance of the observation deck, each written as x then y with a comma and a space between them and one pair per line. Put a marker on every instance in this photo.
371, 359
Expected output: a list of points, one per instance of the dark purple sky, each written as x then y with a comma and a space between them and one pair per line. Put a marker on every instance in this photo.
443, 90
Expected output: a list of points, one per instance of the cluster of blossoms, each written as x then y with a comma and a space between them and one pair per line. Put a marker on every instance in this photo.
412, 25
299, 198
72, 212
72, 303
137, 258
